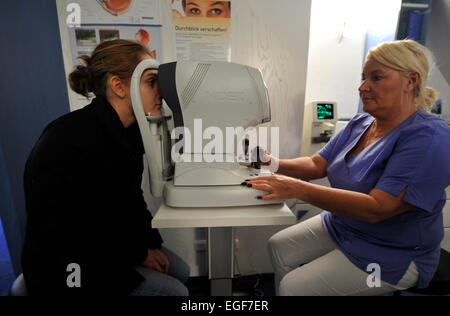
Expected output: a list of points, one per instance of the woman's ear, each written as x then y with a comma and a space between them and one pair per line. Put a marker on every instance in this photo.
117, 86
413, 82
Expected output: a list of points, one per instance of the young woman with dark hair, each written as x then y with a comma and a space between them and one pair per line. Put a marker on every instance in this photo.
83, 192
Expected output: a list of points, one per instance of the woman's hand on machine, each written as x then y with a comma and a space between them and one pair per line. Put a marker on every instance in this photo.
279, 187
260, 157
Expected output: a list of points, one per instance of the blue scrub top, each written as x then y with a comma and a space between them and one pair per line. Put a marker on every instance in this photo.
415, 155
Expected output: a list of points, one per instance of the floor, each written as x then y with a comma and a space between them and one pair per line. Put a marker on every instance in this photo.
6, 271
252, 285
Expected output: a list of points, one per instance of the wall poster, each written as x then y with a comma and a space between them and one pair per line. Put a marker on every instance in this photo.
202, 29
105, 20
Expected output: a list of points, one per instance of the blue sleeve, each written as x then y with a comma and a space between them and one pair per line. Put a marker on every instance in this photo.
419, 162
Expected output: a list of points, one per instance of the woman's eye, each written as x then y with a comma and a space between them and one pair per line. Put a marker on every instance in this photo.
377, 78
152, 82
195, 11
215, 12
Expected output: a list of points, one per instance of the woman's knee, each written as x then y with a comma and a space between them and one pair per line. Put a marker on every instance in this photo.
274, 242
178, 267
181, 290
180, 270
161, 287
299, 283
286, 286
183, 272
174, 287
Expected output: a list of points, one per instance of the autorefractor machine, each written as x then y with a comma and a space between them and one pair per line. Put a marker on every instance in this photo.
201, 97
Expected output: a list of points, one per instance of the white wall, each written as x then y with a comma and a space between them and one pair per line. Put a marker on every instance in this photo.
336, 51
273, 36
337, 47
438, 35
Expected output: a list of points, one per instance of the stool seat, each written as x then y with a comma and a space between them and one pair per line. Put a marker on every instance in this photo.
19, 287
440, 284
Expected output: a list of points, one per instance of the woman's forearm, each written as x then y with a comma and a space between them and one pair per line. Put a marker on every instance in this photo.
306, 168
373, 207
347, 203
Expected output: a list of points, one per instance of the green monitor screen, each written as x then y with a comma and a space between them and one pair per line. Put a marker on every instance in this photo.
325, 111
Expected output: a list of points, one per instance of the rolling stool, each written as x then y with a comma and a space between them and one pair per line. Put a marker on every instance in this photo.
440, 284
18, 288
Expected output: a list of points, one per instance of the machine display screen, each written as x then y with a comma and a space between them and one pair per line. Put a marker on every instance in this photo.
325, 111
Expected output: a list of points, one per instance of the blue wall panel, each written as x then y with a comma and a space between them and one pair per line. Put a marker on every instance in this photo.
33, 92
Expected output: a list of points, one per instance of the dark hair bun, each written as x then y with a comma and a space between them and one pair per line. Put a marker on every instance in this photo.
117, 57
80, 79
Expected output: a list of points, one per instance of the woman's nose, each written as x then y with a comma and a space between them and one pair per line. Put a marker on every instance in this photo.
364, 86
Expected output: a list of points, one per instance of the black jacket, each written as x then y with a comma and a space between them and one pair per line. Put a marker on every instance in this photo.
85, 205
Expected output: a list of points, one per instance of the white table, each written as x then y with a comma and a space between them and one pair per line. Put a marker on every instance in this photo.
220, 222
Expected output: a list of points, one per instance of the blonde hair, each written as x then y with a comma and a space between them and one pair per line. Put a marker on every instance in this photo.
407, 56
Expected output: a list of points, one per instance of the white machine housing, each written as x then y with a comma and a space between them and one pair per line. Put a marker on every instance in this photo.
319, 125
223, 95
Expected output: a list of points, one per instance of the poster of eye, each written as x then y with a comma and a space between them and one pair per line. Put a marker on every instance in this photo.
202, 29
86, 23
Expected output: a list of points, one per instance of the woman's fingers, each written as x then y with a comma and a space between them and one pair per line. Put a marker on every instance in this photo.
267, 178
163, 261
262, 187
166, 264
155, 265
269, 197
279, 187
157, 261
159, 268
268, 188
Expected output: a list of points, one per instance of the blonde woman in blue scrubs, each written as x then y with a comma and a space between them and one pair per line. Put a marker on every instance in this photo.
388, 171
